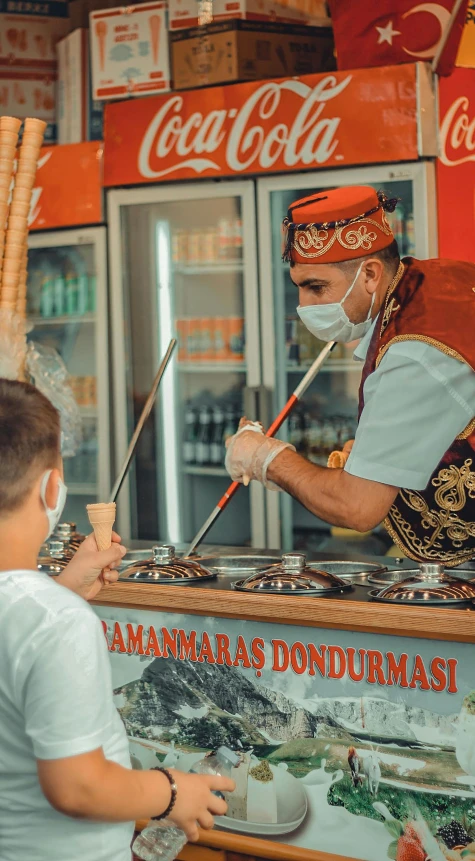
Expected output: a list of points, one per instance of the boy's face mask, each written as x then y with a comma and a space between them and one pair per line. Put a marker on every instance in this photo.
53, 514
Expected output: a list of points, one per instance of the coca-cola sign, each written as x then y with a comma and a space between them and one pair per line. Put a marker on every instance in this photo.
78, 201
316, 121
456, 166
457, 132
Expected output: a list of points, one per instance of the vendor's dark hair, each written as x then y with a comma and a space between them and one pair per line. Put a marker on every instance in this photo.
29, 441
389, 256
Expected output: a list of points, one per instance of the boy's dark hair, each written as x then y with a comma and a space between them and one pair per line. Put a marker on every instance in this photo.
29, 441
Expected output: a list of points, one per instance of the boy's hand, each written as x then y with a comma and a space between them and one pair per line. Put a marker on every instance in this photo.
195, 802
83, 574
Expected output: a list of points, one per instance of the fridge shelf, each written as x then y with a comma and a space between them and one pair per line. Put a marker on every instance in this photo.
82, 489
209, 268
212, 367
213, 471
62, 321
332, 366
88, 412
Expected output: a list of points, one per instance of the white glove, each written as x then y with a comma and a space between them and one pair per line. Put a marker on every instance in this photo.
250, 453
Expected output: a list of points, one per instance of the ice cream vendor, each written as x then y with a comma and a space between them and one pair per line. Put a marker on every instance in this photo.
412, 463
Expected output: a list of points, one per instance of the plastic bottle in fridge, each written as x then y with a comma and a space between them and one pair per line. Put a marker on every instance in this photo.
229, 427
190, 436
296, 430
216, 448
203, 444
163, 840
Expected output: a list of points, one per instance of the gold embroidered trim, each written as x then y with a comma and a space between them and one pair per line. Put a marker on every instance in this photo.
425, 340
453, 487
348, 236
468, 430
389, 307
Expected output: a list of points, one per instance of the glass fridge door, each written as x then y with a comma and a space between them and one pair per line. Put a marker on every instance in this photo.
67, 308
183, 264
327, 416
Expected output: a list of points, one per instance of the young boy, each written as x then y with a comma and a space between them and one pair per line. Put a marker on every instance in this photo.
67, 792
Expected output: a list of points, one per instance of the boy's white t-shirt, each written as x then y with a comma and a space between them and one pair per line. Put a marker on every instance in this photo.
55, 701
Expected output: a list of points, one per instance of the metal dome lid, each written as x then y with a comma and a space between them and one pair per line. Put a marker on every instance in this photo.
166, 567
429, 584
292, 576
58, 557
67, 532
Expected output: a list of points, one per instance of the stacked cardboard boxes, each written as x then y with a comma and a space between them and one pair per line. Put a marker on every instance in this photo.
28, 64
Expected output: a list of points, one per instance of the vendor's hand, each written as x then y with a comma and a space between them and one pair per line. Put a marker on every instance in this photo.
90, 569
250, 453
196, 803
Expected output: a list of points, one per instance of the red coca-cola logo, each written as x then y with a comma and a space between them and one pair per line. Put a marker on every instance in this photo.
457, 133
254, 136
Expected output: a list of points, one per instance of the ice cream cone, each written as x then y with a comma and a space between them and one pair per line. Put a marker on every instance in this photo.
5, 180
21, 307
25, 180
7, 151
27, 153
10, 124
101, 33
8, 138
20, 209
11, 266
6, 165
155, 24
21, 195
13, 251
8, 294
101, 517
16, 222
3, 214
32, 139
33, 125
16, 237
7, 305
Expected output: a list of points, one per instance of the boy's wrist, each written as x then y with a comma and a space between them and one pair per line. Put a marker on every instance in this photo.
173, 792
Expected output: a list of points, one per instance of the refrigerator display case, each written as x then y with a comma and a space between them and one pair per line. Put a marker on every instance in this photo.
327, 415
183, 264
67, 310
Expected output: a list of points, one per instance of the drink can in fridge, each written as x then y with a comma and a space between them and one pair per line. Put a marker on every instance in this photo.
221, 339
194, 246
193, 340
207, 353
182, 335
236, 338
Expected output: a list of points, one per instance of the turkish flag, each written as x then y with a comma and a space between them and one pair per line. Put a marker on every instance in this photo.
388, 32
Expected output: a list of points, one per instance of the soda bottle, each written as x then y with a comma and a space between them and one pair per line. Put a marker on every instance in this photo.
229, 425
163, 841
203, 444
190, 435
296, 430
216, 448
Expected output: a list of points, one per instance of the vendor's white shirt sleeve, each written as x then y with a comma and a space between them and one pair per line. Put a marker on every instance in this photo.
416, 402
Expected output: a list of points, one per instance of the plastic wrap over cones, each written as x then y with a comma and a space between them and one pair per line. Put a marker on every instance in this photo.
337, 459
48, 373
102, 518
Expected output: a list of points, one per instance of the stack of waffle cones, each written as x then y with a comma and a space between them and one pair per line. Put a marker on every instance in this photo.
101, 517
14, 214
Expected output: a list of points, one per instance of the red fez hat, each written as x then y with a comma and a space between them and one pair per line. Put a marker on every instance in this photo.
337, 224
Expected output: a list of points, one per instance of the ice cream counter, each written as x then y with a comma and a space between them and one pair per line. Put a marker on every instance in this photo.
354, 719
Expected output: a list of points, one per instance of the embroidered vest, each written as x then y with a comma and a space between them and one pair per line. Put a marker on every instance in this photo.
433, 301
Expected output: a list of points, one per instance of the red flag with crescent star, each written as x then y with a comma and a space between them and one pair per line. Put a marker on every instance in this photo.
389, 32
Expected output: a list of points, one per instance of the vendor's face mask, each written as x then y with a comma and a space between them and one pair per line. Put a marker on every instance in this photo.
53, 514
331, 322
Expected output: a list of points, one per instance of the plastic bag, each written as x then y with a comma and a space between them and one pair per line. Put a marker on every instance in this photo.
48, 373
12, 344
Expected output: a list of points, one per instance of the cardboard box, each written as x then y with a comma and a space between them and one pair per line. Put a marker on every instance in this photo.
466, 52
28, 93
79, 117
184, 14
79, 11
247, 51
129, 51
29, 41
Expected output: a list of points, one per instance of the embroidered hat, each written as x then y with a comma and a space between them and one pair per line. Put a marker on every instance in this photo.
337, 224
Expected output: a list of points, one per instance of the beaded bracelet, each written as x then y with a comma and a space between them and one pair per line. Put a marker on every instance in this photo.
174, 791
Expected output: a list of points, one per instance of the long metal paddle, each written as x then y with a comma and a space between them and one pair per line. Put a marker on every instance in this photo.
276, 424
141, 422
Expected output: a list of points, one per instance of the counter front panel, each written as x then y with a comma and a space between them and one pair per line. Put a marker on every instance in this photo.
351, 742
